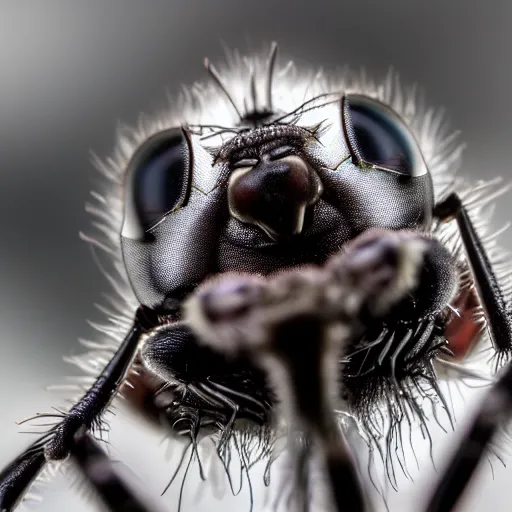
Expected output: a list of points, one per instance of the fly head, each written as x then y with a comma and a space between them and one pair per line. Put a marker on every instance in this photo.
277, 191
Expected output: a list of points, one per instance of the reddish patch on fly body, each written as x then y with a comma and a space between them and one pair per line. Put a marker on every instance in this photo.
140, 395
462, 331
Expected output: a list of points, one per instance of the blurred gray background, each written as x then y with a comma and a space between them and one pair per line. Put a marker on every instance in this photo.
70, 70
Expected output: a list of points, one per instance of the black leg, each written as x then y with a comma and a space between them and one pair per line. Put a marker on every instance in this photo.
111, 486
497, 405
296, 325
57, 443
497, 312
18, 475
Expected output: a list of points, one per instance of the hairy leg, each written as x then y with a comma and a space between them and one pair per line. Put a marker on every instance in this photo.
296, 325
496, 408
57, 443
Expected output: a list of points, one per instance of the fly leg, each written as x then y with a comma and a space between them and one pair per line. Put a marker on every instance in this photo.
496, 408
295, 326
57, 443
114, 489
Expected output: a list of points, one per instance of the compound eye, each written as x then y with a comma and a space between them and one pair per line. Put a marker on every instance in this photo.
379, 138
157, 181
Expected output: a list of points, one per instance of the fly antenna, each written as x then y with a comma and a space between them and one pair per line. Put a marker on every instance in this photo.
254, 95
271, 63
252, 85
218, 80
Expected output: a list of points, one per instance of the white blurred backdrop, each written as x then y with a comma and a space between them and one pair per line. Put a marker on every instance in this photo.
70, 70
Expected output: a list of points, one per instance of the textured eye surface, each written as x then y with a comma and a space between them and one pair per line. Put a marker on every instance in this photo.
157, 181
378, 137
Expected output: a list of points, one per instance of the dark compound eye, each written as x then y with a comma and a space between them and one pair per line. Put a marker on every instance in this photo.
157, 181
379, 138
